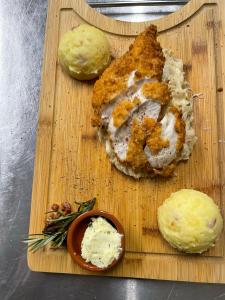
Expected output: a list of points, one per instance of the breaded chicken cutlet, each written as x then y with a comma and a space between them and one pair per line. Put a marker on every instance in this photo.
143, 109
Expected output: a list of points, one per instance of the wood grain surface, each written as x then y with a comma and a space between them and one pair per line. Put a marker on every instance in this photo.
71, 164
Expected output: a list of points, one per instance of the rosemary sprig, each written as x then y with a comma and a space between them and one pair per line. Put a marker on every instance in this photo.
55, 232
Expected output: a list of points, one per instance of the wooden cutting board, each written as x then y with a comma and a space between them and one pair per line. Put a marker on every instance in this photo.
71, 163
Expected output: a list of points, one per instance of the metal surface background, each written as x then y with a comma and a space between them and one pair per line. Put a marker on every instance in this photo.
22, 26
136, 10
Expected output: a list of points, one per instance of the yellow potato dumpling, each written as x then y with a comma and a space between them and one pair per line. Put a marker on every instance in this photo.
190, 221
84, 52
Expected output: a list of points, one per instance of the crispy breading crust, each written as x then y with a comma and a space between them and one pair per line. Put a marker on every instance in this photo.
158, 91
144, 55
122, 110
179, 127
136, 158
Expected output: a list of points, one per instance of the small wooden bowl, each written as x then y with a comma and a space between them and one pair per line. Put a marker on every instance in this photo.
76, 234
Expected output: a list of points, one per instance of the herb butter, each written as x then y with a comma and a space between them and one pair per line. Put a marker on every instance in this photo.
101, 243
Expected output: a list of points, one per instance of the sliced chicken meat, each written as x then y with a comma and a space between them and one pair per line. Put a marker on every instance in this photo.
144, 132
120, 137
159, 158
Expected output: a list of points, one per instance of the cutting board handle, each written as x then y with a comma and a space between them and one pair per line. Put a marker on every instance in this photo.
108, 24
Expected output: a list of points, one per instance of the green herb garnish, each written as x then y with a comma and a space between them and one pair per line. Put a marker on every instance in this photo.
55, 231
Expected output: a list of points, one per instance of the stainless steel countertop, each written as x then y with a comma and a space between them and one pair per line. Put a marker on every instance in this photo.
22, 26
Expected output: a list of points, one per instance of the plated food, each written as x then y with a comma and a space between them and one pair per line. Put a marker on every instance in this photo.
190, 221
143, 109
